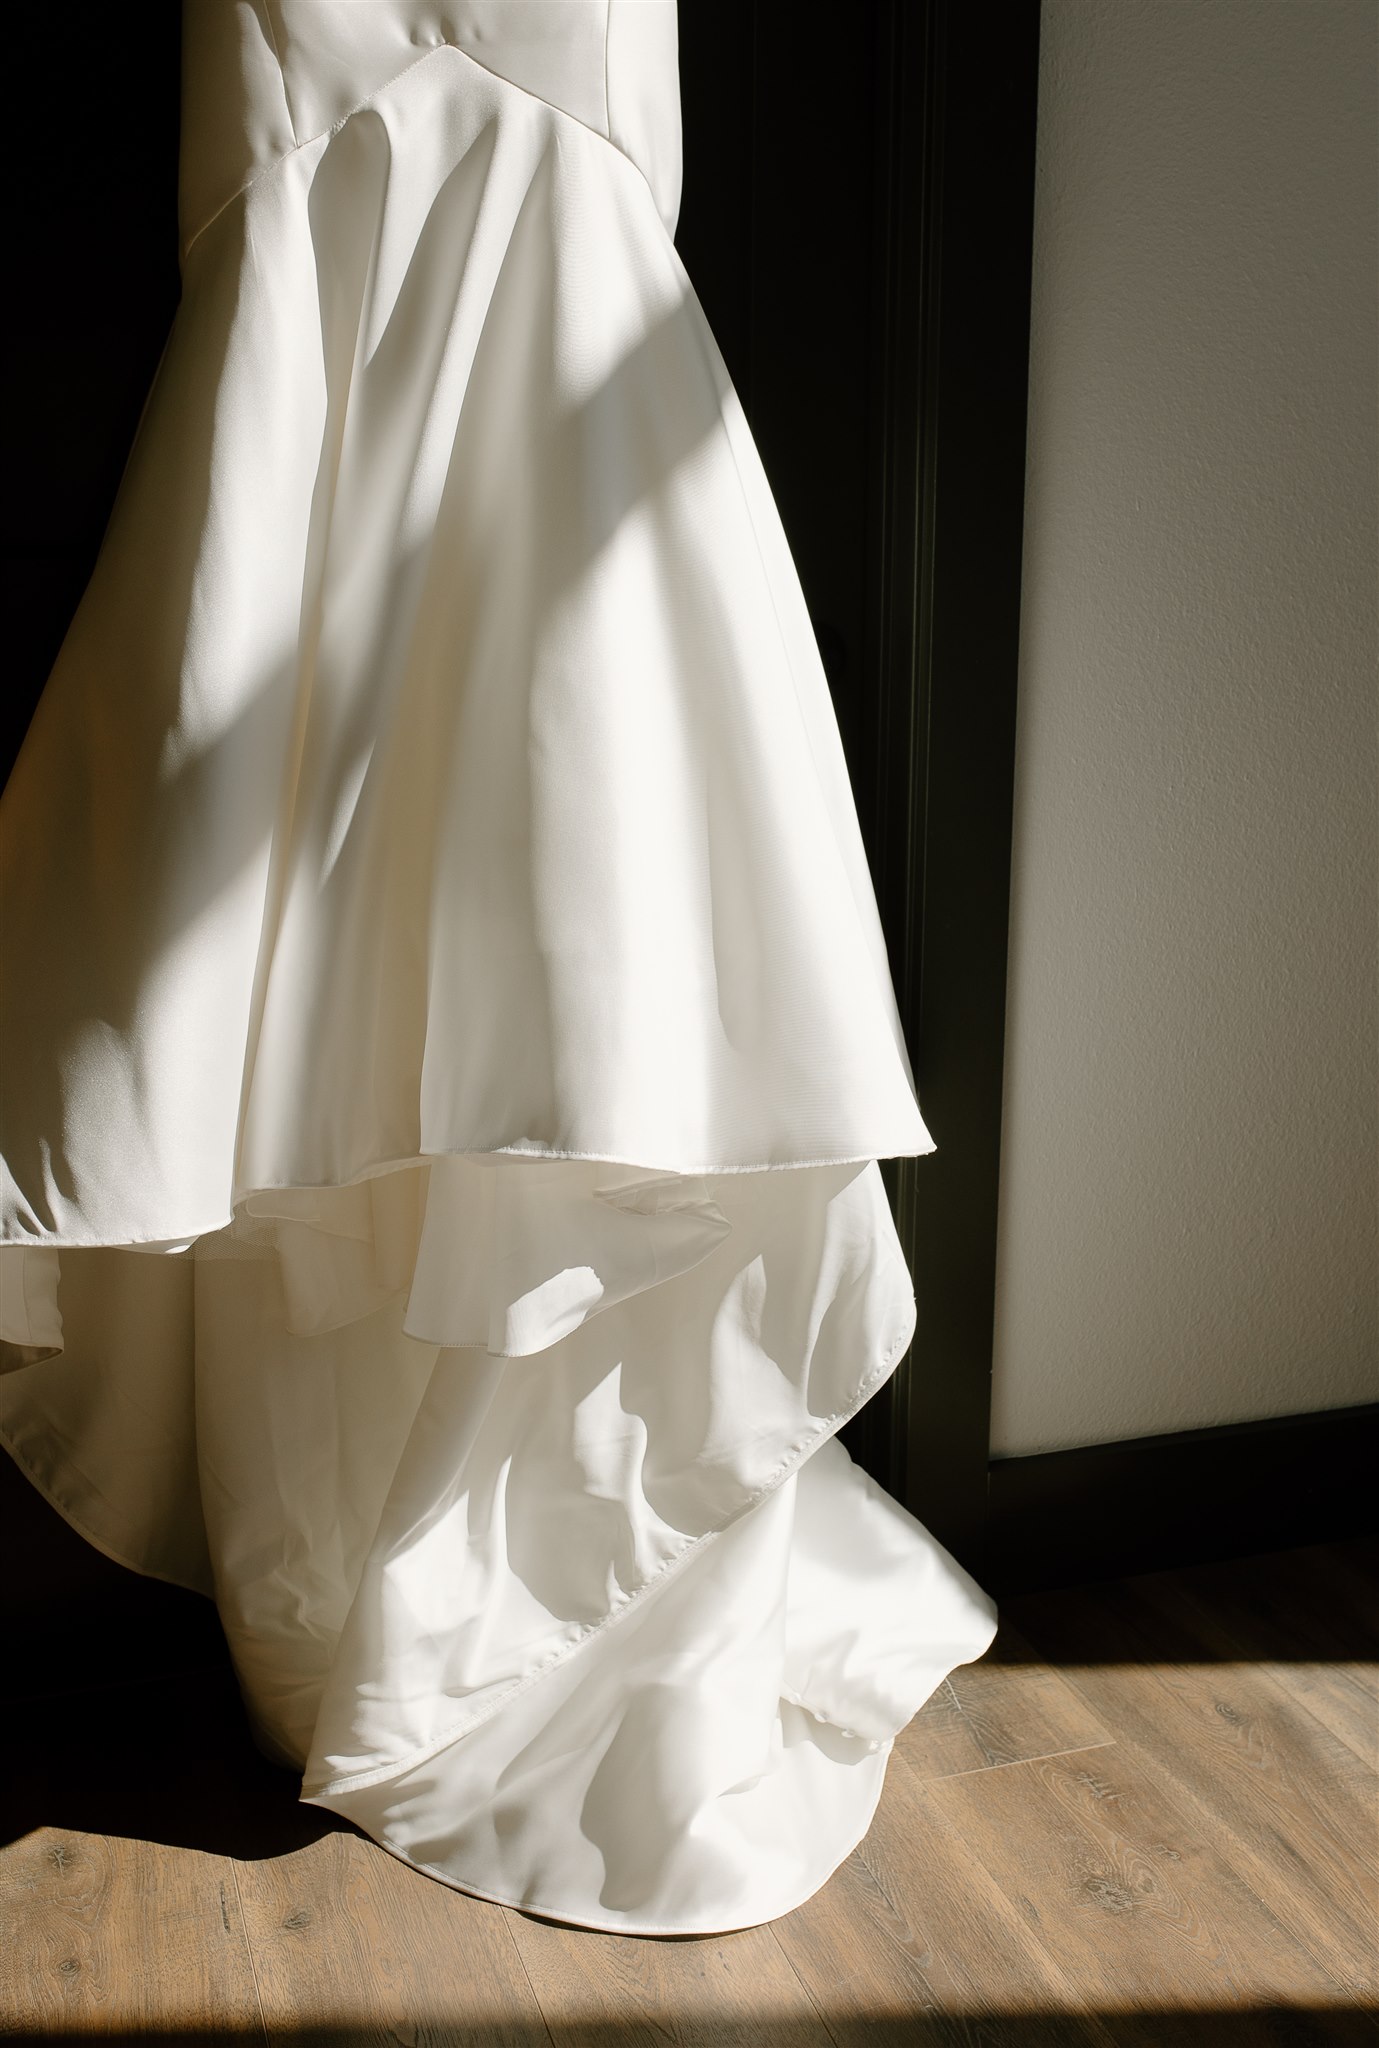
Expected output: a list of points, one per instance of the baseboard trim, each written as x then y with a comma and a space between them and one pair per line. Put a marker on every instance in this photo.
1153, 1503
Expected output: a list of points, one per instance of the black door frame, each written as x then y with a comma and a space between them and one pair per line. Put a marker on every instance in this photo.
856, 219
955, 153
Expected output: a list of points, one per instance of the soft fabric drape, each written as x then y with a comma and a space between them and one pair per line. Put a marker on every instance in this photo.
448, 1035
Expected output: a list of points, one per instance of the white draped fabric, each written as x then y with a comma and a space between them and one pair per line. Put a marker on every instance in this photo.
447, 1030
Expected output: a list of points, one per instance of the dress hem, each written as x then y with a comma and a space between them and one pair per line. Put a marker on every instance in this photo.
183, 1240
99, 1543
640, 1929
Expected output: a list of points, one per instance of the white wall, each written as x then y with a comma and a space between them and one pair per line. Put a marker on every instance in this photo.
1190, 1187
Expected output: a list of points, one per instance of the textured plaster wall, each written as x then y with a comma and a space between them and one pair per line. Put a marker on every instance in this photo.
1189, 1181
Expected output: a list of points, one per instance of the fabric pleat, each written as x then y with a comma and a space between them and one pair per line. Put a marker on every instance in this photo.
448, 1030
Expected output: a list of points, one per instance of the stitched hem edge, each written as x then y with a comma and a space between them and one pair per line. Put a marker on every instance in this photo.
629, 1925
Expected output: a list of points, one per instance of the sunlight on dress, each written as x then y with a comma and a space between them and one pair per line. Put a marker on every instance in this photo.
454, 1037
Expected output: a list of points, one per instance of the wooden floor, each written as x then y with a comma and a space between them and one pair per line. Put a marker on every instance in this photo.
1148, 1817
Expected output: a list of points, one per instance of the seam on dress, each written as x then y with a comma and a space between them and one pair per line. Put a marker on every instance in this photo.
617, 1926
706, 1170
377, 1168
613, 1926
266, 170
607, 110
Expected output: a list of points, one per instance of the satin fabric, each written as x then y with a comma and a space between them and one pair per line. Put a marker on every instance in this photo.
449, 1036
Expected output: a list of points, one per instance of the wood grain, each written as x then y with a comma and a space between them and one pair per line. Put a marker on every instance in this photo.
1006, 1708
1182, 1856
348, 1939
1296, 1803
1324, 1651
912, 1942
724, 1991
103, 1935
1133, 1903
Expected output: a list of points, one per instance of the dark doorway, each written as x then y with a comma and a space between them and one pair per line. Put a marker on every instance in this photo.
857, 221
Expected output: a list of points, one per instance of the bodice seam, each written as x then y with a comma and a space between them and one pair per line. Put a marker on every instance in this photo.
333, 128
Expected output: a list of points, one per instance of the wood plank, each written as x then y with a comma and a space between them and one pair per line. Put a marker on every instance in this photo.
1343, 1697
351, 1945
1006, 1708
1185, 1864
619, 1991
1298, 1804
1133, 1902
1310, 1618
1323, 1599
1319, 1603
104, 1936
911, 1942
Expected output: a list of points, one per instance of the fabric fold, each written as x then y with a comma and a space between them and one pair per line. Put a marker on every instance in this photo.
487, 797
449, 1035
626, 1575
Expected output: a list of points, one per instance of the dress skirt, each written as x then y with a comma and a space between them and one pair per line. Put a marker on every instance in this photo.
448, 1036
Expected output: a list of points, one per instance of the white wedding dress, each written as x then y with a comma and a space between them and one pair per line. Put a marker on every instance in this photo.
448, 1035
